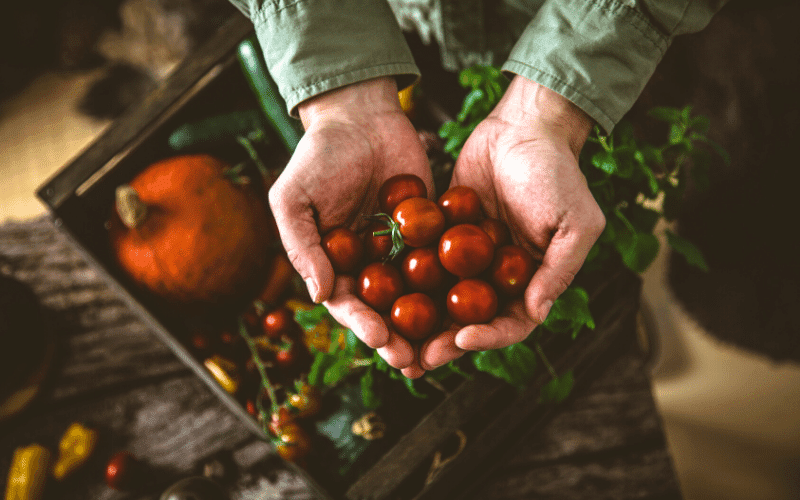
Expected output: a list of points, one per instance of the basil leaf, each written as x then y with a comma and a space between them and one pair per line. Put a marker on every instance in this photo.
684, 247
557, 389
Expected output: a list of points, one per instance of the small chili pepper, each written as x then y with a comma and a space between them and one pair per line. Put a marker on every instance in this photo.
28, 473
75, 447
224, 371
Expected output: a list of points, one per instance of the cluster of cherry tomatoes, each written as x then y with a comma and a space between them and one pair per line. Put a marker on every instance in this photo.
431, 264
283, 354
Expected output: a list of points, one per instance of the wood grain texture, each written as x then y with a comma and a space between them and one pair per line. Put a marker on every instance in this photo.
114, 374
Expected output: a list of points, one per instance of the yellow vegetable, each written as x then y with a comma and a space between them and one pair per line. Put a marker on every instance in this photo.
406, 97
28, 473
75, 447
224, 371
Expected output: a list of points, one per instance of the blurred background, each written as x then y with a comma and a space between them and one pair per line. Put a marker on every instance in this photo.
725, 345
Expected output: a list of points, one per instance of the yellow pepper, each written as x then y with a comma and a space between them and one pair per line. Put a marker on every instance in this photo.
28, 473
75, 447
224, 371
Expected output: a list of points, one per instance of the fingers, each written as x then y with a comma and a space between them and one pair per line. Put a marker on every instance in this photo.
562, 260
294, 217
511, 327
348, 310
415, 370
440, 350
397, 352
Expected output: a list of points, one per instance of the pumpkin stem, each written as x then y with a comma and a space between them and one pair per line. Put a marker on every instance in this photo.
132, 211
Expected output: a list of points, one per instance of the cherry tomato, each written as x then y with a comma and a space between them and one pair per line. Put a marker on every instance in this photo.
420, 220
307, 402
279, 419
251, 407
123, 471
422, 270
377, 247
471, 302
460, 205
294, 443
512, 270
379, 285
496, 230
466, 250
200, 341
414, 316
399, 188
278, 322
344, 249
286, 357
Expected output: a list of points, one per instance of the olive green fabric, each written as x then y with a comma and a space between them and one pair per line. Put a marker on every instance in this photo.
599, 54
312, 46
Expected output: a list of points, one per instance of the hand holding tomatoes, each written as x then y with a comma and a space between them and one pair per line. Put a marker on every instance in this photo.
356, 138
523, 163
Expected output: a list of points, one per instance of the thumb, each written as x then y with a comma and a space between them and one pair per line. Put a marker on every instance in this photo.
562, 261
294, 217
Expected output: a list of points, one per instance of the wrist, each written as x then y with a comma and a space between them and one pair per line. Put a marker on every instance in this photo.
360, 99
528, 103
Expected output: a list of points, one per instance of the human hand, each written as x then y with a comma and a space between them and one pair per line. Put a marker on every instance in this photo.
356, 137
522, 161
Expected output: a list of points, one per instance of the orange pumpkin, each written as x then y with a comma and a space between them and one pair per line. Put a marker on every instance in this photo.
184, 231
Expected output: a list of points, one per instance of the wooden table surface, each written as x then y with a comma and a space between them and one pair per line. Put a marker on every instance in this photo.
113, 374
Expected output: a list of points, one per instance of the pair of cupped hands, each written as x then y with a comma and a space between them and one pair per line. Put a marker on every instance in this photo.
522, 160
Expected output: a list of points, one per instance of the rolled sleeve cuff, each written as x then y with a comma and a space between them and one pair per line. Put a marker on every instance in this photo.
312, 46
598, 54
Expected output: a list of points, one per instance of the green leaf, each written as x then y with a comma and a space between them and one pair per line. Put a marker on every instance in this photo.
446, 129
322, 362
515, 364
650, 177
312, 317
676, 133
409, 383
352, 343
665, 114
641, 252
557, 389
337, 371
469, 103
368, 395
643, 219
686, 113
605, 161
570, 312
684, 247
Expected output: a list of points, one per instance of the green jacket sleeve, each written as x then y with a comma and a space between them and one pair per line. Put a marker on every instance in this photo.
312, 46
599, 54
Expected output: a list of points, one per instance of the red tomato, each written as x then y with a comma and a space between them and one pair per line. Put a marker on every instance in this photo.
377, 247
471, 302
422, 270
278, 322
399, 188
344, 249
460, 205
294, 443
123, 471
420, 220
496, 230
466, 250
280, 419
379, 285
512, 270
307, 402
414, 316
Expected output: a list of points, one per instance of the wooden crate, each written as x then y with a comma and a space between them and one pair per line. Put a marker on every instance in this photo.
483, 414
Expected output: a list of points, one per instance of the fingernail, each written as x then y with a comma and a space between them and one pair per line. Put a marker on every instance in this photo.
461, 340
545, 309
312, 290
